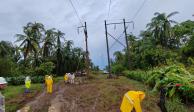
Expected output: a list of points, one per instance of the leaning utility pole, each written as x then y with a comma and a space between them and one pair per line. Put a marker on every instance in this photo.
107, 46
127, 44
87, 52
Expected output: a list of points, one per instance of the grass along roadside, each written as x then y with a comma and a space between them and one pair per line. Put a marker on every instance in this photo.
15, 97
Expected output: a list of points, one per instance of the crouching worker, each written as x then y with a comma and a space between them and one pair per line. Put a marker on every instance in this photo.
132, 100
49, 84
27, 84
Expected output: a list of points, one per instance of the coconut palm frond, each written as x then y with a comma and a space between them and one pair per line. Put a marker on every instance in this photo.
172, 14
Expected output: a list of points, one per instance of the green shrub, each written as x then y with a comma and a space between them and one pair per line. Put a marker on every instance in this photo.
7, 66
20, 80
117, 68
174, 105
45, 68
136, 75
167, 77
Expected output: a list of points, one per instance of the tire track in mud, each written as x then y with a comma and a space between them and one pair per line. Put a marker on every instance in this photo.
41, 102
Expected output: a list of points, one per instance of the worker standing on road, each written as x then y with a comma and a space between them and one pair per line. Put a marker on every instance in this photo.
49, 84
132, 100
27, 84
66, 78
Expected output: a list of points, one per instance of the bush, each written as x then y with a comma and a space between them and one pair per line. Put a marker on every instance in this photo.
168, 77
45, 68
175, 105
136, 75
117, 68
20, 80
7, 66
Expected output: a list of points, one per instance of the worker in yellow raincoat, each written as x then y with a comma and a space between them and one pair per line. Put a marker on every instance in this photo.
66, 78
27, 84
132, 100
45, 79
49, 84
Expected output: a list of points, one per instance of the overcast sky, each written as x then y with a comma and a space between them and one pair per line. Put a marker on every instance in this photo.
14, 14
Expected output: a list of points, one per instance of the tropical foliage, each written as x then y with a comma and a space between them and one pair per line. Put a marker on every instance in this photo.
164, 41
39, 52
161, 56
175, 78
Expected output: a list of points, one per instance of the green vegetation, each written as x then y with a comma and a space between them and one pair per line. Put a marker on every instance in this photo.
174, 78
164, 42
16, 99
161, 56
19, 80
40, 52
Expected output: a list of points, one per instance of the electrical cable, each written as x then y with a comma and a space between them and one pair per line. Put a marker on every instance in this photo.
110, 1
135, 15
76, 12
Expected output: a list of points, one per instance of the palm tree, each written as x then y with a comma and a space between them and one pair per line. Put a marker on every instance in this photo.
59, 35
6, 49
30, 39
36, 29
78, 58
118, 56
49, 41
160, 27
68, 45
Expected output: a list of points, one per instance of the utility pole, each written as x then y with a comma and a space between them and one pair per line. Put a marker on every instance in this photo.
87, 52
127, 44
116, 39
107, 45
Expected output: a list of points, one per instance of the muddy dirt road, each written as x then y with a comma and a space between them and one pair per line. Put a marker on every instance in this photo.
97, 95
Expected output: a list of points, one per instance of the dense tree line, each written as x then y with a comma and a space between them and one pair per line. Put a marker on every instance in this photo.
163, 42
38, 51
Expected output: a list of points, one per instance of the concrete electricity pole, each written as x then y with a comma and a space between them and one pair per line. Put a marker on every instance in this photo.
87, 52
116, 39
107, 46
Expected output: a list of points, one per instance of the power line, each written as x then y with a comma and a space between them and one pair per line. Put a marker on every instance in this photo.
110, 1
135, 15
76, 12
140, 8
121, 35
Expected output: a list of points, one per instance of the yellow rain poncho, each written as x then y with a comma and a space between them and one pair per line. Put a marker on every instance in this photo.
45, 79
49, 83
132, 99
27, 82
66, 77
